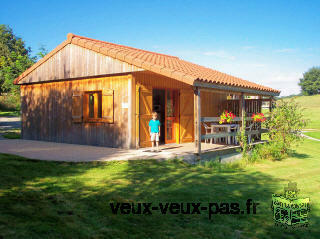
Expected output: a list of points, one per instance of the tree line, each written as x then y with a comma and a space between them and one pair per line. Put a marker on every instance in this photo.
15, 58
310, 83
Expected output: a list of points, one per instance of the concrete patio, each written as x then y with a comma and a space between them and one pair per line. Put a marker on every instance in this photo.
83, 153
51, 151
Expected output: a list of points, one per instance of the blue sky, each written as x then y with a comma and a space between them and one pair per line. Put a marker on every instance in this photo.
268, 42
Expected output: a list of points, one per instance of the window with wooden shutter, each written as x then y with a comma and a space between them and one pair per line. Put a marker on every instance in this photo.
77, 107
98, 106
107, 105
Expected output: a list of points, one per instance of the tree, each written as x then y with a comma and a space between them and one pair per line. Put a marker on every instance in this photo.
42, 52
310, 83
14, 59
285, 124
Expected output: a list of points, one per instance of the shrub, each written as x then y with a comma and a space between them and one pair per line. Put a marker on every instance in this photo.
269, 150
12, 135
10, 102
285, 125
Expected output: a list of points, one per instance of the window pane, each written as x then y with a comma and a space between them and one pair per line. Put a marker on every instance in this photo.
169, 129
91, 106
170, 108
100, 105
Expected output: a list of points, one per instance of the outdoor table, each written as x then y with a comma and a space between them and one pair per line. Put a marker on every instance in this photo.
224, 126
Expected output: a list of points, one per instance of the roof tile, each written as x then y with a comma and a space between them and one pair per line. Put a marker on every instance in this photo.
82, 42
156, 68
146, 65
138, 62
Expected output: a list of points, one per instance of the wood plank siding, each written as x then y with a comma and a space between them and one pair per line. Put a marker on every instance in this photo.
73, 62
47, 112
212, 103
48, 94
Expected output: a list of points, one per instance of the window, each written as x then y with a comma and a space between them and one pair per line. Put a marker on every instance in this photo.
95, 109
93, 106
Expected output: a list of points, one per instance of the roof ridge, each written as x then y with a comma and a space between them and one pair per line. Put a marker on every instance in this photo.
71, 35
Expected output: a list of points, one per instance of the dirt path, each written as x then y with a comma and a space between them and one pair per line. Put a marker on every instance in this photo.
308, 137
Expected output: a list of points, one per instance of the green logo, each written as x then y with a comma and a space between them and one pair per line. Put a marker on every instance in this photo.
288, 209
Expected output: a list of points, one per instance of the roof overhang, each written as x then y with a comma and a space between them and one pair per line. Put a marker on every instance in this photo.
233, 88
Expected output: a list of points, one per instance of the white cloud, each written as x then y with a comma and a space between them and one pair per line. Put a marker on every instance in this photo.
220, 54
284, 79
281, 75
286, 82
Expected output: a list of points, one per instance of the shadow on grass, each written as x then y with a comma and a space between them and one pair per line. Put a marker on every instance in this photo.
299, 155
50, 200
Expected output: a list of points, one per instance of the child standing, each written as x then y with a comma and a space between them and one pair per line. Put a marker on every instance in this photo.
154, 130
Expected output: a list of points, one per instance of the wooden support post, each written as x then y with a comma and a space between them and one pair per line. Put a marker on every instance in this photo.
137, 116
270, 104
130, 110
197, 121
243, 111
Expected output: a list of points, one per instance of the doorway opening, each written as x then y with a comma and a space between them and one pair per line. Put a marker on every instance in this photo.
165, 103
158, 103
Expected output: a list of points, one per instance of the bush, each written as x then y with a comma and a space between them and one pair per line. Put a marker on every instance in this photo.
10, 102
12, 135
269, 150
285, 125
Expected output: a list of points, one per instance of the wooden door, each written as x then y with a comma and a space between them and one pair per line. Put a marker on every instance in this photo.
145, 115
171, 116
186, 116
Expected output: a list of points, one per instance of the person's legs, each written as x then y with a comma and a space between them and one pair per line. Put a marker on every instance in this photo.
152, 145
157, 141
152, 141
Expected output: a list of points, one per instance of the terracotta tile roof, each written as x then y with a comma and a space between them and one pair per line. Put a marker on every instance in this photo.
166, 65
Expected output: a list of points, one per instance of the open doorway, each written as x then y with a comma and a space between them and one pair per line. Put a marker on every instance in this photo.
165, 103
158, 105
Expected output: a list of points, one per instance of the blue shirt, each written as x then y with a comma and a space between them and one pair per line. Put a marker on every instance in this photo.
154, 125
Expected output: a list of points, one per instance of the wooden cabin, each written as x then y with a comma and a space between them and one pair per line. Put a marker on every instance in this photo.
93, 92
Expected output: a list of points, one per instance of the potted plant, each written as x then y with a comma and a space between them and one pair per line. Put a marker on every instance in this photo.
226, 117
259, 117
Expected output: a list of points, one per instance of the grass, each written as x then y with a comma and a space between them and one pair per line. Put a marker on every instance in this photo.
12, 135
41, 199
10, 113
312, 109
313, 134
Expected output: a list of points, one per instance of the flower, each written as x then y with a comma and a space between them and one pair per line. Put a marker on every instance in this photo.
226, 117
259, 117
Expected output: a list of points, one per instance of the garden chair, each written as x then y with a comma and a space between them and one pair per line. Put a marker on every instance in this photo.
249, 128
234, 128
208, 131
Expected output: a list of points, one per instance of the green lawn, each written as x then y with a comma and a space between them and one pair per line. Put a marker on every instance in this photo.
71, 200
313, 134
9, 113
312, 109
12, 135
